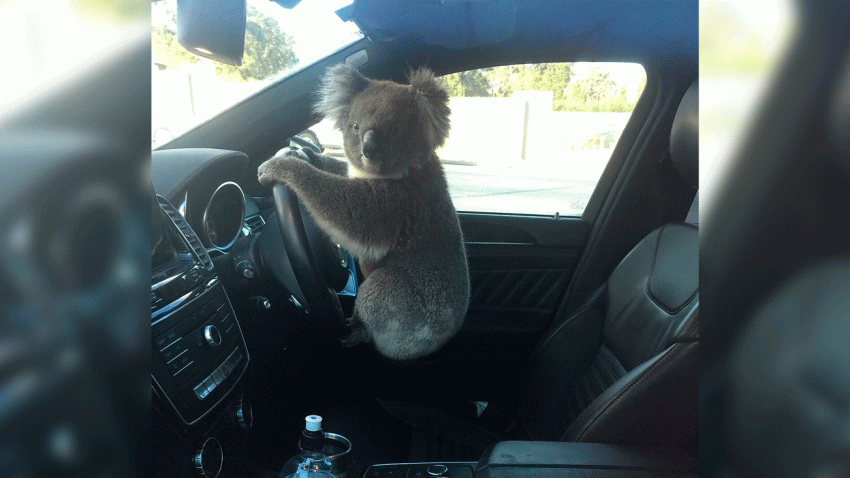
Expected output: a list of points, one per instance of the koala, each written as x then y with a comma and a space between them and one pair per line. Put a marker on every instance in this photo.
388, 206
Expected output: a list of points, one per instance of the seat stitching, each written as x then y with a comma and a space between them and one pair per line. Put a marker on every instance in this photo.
667, 354
551, 336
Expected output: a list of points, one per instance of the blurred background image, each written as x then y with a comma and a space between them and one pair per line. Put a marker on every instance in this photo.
74, 228
775, 238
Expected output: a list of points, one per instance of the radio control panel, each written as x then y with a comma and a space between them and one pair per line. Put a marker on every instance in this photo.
198, 350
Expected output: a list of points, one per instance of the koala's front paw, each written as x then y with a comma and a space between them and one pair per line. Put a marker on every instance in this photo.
273, 170
264, 175
289, 151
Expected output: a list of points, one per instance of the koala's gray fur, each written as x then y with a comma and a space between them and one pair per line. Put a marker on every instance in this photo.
390, 207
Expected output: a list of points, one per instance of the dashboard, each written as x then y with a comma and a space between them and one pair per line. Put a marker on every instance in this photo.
199, 352
221, 281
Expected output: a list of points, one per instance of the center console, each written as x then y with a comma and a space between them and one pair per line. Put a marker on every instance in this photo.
198, 356
198, 350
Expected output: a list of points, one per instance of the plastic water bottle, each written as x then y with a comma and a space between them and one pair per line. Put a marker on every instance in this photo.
311, 462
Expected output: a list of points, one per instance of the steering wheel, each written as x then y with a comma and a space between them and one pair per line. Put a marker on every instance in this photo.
320, 267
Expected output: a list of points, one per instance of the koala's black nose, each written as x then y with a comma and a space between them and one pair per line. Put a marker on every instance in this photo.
370, 145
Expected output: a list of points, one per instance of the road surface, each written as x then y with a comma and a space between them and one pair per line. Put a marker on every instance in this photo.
523, 190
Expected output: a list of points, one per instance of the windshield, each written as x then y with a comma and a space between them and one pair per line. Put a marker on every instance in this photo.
187, 90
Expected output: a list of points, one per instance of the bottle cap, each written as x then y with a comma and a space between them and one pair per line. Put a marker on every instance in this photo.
314, 423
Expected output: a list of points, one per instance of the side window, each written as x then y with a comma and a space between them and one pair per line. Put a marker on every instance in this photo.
534, 139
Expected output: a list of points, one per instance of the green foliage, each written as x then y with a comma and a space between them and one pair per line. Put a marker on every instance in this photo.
597, 92
466, 83
167, 51
268, 50
554, 77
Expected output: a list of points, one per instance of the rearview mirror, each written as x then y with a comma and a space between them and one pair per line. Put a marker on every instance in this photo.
213, 29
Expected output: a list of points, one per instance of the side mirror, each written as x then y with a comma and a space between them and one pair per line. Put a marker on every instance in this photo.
213, 29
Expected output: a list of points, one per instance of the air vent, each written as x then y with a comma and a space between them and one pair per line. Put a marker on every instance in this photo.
255, 223
186, 231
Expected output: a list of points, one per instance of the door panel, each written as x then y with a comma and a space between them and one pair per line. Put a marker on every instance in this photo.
520, 267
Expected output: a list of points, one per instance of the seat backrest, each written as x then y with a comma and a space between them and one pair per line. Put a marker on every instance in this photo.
624, 368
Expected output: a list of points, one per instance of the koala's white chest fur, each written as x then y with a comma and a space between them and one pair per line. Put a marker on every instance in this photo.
351, 245
354, 172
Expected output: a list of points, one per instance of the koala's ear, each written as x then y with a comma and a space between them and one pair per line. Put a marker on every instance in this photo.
434, 103
340, 85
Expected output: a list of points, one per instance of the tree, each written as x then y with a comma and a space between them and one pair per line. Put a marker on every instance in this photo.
466, 83
167, 51
598, 86
554, 77
596, 92
501, 80
268, 50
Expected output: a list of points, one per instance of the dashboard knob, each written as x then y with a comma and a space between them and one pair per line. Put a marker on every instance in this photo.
212, 335
437, 470
262, 303
246, 269
208, 459
244, 414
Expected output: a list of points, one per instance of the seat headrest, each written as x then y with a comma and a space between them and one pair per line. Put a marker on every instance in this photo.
684, 138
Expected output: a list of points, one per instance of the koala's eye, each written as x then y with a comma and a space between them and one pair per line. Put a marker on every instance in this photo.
355, 127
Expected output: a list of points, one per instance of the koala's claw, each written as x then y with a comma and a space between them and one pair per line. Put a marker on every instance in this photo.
354, 334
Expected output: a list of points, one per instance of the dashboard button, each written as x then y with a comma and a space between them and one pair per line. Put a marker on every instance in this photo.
207, 311
184, 326
210, 384
196, 339
217, 377
185, 374
166, 339
160, 342
177, 364
173, 350
201, 391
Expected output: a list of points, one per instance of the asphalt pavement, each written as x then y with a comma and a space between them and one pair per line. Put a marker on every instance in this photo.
521, 189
